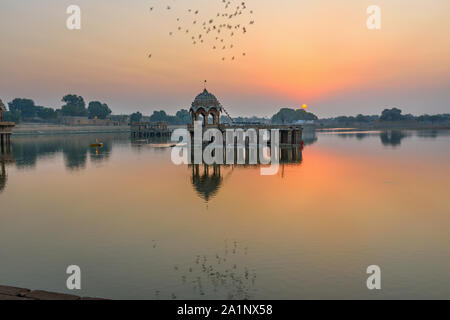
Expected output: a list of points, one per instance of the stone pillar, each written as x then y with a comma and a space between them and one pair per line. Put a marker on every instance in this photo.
290, 137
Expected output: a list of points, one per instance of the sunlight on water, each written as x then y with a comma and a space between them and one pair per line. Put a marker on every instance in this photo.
141, 227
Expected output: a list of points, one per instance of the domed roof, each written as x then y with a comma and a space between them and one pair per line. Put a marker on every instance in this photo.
206, 185
206, 101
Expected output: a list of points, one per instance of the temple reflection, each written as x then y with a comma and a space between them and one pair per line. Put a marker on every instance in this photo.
6, 158
207, 180
3, 177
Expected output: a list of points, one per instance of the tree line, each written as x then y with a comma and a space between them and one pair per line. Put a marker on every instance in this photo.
180, 118
387, 115
21, 109
287, 115
74, 106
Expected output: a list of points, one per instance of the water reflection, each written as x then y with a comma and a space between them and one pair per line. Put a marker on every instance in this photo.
223, 275
6, 158
309, 137
328, 217
3, 177
392, 138
359, 135
27, 150
159, 143
389, 138
208, 179
433, 133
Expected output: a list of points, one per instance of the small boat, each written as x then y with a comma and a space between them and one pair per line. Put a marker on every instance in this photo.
97, 144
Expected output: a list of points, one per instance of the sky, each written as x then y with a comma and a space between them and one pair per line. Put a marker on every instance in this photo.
314, 52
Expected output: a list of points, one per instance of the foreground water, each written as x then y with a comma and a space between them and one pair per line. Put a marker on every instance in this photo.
141, 227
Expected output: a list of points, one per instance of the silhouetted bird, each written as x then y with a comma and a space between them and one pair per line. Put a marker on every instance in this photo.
226, 18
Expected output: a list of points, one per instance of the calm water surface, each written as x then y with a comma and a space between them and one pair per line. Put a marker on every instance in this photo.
141, 227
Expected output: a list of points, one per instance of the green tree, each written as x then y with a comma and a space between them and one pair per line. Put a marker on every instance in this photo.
362, 118
74, 106
286, 115
158, 116
98, 109
46, 113
183, 116
136, 117
393, 114
346, 119
12, 116
25, 107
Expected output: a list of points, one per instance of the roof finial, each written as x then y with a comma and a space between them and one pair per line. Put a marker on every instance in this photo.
205, 84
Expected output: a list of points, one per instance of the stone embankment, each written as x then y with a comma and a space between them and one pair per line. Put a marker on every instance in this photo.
14, 293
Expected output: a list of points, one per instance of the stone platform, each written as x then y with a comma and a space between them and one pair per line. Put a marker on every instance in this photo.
14, 293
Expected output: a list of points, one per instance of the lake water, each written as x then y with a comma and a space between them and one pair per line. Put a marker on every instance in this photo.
141, 227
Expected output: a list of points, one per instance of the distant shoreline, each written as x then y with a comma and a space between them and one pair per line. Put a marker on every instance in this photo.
386, 126
52, 129
48, 129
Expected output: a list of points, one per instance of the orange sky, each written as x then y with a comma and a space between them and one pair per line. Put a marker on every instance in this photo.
314, 52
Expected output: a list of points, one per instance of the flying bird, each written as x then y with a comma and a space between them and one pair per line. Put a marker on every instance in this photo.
234, 15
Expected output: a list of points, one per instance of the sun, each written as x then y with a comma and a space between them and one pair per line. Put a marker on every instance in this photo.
304, 107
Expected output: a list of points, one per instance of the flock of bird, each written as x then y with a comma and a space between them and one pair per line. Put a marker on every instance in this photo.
218, 275
219, 32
